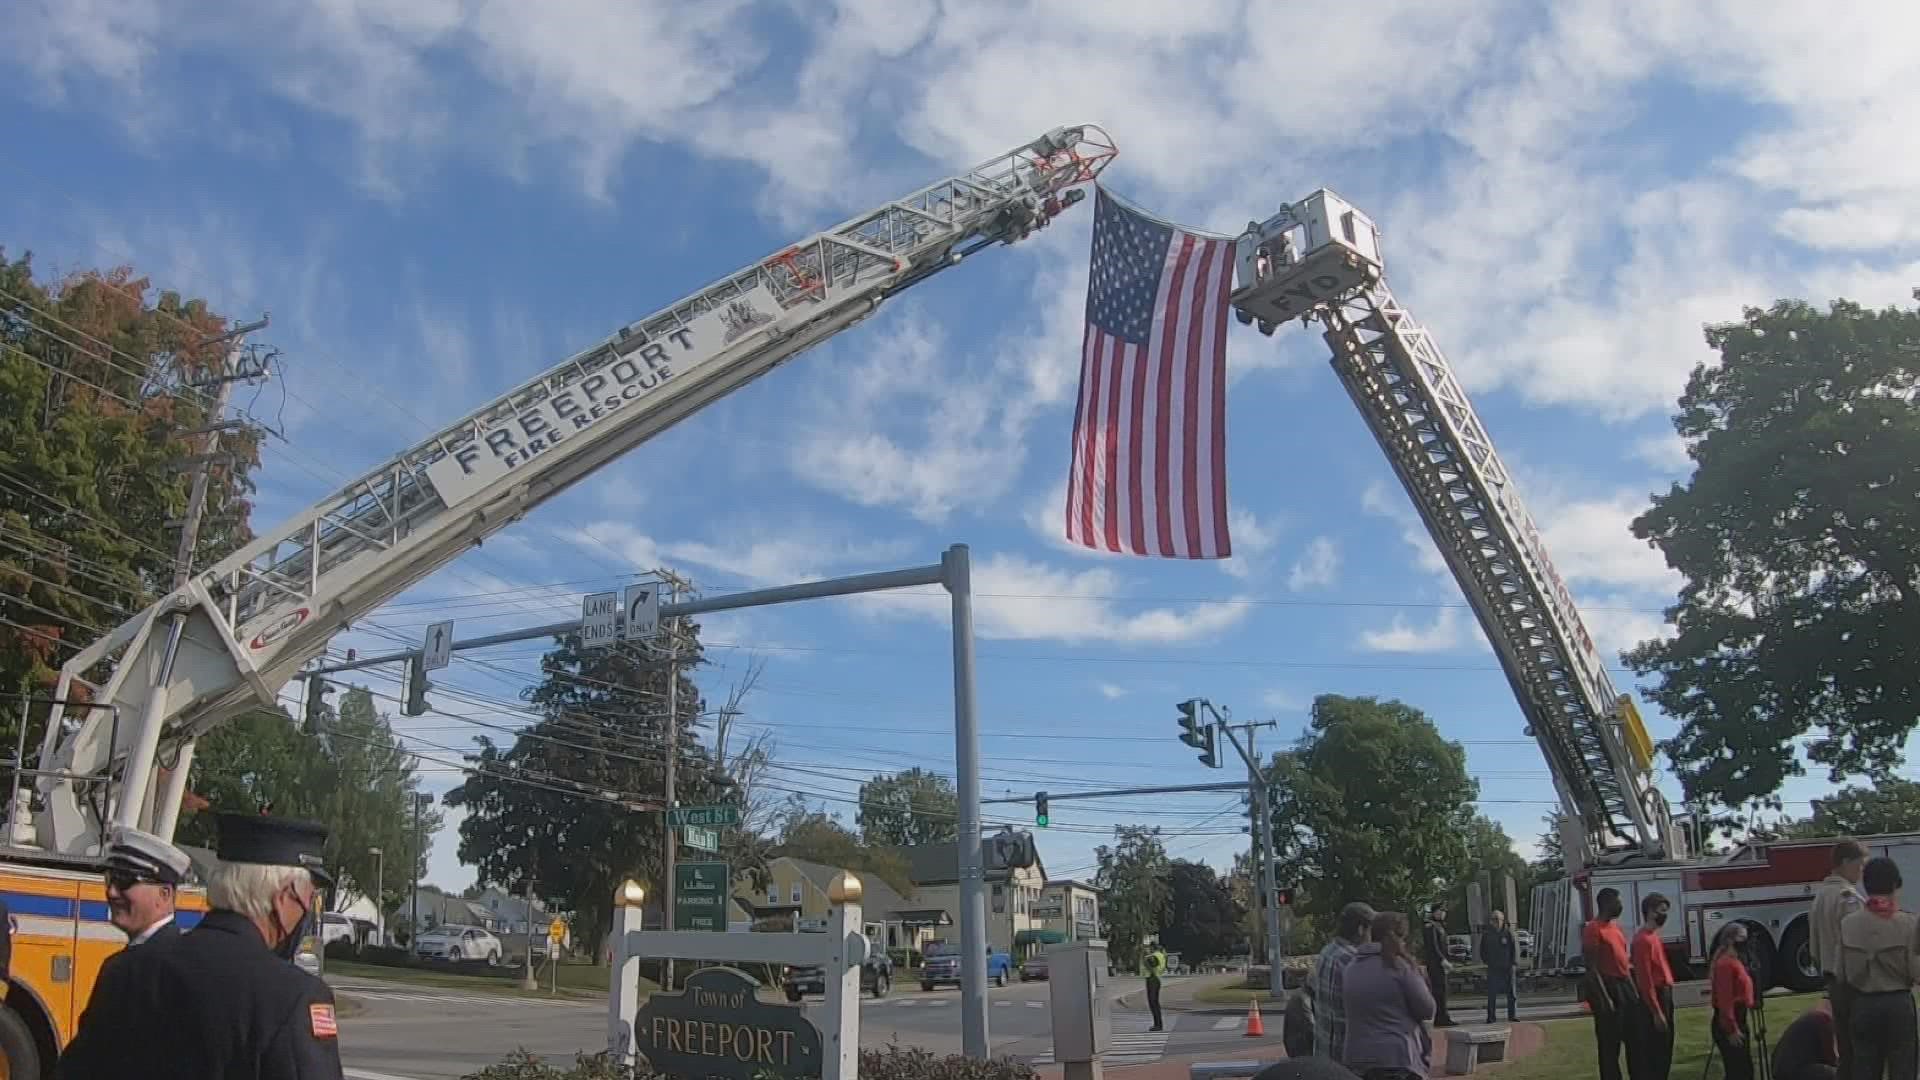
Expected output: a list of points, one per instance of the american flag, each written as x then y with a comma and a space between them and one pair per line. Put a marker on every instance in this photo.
1149, 472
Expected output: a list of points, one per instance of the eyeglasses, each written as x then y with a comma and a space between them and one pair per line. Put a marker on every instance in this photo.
122, 880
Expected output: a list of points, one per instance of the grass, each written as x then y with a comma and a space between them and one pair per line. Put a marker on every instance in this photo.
576, 980
1569, 1051
1234, 994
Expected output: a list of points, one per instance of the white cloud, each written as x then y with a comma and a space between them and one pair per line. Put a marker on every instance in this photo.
752, 556
1590, 543
1402, 636
1020, 599
1110, 691
1316, 567
1667, 453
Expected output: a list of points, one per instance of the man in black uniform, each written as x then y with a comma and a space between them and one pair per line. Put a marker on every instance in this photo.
142, 873
224, 1002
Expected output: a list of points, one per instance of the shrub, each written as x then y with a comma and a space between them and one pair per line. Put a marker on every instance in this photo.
905, 958
913, 1063
891, 1063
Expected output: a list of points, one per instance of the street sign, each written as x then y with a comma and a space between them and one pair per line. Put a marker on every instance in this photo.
599, 620
703, 815
700, 895
437, 651
557, 930
700, 838
643, 610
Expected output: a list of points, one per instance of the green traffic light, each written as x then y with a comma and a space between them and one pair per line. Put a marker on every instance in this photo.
1041, 820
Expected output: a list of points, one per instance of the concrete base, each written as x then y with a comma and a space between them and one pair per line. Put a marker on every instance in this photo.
1224, 1070
1081, 1070
1468, 1049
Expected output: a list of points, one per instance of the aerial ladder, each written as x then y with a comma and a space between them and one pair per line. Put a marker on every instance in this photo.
1319, 260
240, 629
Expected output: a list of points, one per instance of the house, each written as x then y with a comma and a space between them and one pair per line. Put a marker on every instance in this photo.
1012, 897
508, 913
1071, 909
797, 891
439, 909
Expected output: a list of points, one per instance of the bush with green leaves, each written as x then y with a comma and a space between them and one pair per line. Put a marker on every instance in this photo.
890, 1063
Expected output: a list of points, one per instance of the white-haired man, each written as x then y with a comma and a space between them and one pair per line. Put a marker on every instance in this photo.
224, 1001
143, 873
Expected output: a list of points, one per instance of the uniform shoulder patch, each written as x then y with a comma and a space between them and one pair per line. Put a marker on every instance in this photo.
324, 1026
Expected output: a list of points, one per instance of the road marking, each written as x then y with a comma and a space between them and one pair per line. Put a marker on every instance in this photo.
365, 1074
1128, 1048
1227, 1023
381, 993
1036, 1004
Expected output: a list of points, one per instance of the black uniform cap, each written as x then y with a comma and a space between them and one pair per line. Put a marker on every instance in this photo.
274, 841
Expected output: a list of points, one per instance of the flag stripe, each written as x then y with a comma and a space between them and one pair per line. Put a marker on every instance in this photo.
1148, 458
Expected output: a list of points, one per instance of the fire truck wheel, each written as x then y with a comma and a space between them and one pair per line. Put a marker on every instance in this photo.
1798, 969
1762, 959
19, 1056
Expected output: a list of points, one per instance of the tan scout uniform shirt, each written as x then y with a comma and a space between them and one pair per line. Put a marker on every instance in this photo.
1834, 900
1880, 954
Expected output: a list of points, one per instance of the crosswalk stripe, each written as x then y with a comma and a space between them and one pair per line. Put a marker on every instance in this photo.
1128, 1048
1226, 1023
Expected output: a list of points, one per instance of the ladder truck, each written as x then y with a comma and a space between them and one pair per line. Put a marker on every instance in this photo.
237, 631
1319, 261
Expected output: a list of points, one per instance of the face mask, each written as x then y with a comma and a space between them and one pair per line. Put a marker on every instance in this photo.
289, 946
1659, 918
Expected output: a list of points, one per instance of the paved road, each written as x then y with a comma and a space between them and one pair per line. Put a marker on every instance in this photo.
412, 1033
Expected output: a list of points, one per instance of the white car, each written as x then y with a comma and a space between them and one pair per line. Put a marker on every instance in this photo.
457, 943
335, 927
1523, 942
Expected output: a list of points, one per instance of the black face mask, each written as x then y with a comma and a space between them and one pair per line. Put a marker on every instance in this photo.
1659, 918
289, 946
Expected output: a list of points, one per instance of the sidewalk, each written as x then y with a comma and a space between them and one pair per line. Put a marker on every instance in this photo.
1525, 1040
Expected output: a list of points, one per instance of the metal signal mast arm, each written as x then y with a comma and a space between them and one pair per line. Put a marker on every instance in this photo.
1320, 260
237, 631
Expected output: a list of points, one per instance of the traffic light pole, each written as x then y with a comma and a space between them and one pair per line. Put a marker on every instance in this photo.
1260, 806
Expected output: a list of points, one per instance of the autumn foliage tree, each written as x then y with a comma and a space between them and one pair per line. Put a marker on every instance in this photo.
1798, 536
102, 383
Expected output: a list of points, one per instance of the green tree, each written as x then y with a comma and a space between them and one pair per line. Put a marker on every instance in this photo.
816, 836
1202, 922
574, 801
1552, 863
1490, 857
908, 808
1134, 876
1798, 539
1372, 804
99, 390
351, 775
1893, 806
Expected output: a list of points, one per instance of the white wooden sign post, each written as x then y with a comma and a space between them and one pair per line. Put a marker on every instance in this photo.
728, 1035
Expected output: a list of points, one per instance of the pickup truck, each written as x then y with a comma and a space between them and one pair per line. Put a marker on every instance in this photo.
876, 977
943, 966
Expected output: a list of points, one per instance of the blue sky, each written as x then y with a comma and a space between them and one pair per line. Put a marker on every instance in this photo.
439, 198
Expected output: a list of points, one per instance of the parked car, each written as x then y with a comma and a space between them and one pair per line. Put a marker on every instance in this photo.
876, 977
1459, 948
942, 967
335, 926
1523, 943
1034, 967
457, 943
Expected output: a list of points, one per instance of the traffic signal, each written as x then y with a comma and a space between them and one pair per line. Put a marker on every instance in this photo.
417, 687
317, 691
1197, 735
1040, 816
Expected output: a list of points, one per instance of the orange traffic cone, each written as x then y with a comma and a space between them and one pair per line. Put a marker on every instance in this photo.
1255, 1029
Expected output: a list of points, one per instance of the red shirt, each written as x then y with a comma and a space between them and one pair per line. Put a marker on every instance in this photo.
1731, 986
1651, 972
1606, 948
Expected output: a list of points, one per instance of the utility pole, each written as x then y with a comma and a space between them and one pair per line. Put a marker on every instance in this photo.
530, 983
671, 845
379, 893
1260, 806
156, 807
420, 800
